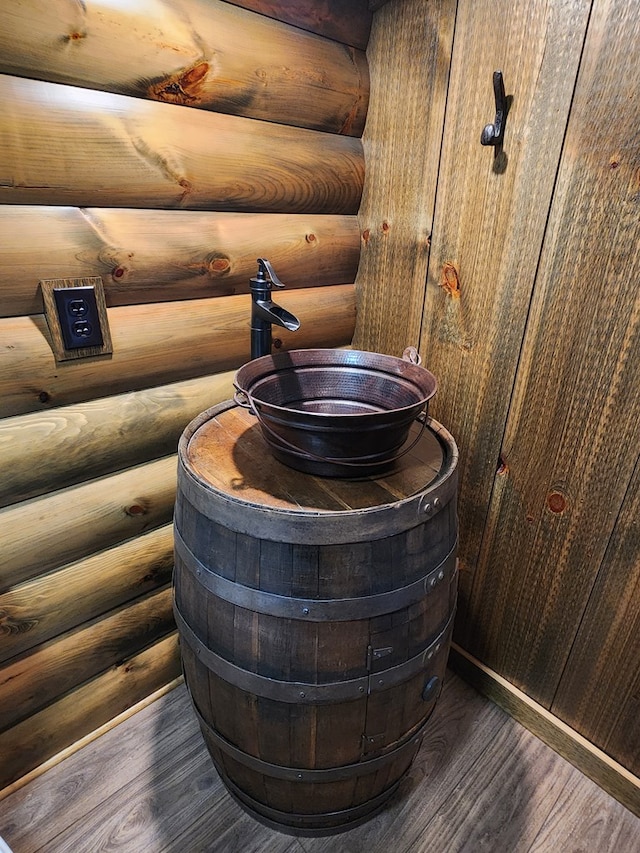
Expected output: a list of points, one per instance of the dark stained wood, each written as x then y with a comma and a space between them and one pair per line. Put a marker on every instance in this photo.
83, 520
156, 344
570, 446
46, 451
479, 780
165, 255
91, 148
306, 652
209, 55
409, 54
347, 22
38, 610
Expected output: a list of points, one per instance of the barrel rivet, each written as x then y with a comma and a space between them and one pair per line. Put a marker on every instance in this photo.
361, 689
440, 575
302, 694
433, 582
429, 655
305, 611
299, 775
428, 508
438, 647
380, 681
437, 503
198, 572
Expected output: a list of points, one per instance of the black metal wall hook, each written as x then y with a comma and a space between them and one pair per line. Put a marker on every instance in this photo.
493, 134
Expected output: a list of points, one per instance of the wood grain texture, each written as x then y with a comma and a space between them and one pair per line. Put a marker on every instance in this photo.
92, 148
572, 435
46, 451
223, 449
38, 610
51, 531
164, 255
149, 784
198, 53
611, 776
490, 220
346, 22
47, 289
35, 680
157, 344
42, 735
599, 690
409, 54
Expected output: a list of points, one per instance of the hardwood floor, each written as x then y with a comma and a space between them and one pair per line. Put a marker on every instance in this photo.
481, 782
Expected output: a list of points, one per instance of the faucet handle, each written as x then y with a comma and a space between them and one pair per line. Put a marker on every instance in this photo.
267, 270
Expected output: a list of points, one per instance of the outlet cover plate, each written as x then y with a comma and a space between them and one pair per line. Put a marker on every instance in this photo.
54, 300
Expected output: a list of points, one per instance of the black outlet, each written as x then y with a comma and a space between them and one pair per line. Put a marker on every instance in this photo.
78, 315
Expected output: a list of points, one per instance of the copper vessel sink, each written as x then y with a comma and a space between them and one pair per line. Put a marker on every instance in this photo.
333, 412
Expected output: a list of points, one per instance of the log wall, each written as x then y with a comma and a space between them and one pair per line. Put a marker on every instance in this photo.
164, 153
529, 319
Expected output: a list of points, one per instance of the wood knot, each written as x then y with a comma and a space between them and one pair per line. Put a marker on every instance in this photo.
310, 238
181, 88
366, 234
556, 502
219, 266
450, 279
136, 509
9, 625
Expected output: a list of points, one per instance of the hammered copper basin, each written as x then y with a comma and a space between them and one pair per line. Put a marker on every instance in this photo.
335, 413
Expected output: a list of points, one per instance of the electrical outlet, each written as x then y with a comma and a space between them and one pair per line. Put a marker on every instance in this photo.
78, 317
76, 314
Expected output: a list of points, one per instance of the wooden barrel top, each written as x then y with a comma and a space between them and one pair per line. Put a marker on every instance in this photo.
224, 448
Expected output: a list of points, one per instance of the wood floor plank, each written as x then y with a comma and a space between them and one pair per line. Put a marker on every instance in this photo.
582, 813
502, 801
480, 782
458, 733
50, 804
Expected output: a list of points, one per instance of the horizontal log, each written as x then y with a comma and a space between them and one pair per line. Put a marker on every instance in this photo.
38, 738
38, 610
65, 145
47, 451
48, 532
167, 255
35, 680
157, 344
209, 55
347, 22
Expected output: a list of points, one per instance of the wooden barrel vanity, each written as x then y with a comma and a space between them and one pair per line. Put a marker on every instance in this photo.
314, 615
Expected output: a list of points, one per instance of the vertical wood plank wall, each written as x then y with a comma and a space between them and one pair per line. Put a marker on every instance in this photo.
164, 153
529, 319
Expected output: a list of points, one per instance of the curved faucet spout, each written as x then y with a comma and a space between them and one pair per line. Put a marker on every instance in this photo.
272, 313
264, 312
